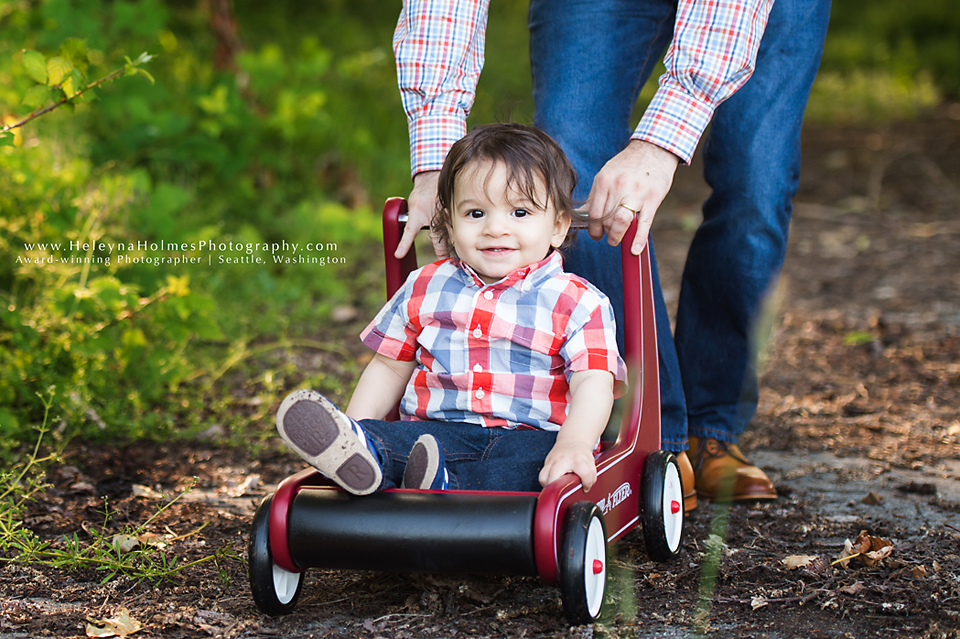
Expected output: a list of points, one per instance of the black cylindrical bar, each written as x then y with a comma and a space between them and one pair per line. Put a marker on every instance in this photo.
413, 532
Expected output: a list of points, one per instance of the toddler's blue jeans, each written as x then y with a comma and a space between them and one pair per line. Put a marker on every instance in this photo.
478, 458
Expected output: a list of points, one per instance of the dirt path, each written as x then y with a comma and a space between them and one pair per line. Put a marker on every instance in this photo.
858, 425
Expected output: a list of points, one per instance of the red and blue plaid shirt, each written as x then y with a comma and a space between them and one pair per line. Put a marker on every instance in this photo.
439, 46
496, 354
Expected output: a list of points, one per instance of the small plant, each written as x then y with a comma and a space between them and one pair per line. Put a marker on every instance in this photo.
135, 552
19, 487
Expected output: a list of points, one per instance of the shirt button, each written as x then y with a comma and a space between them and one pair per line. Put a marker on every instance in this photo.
477, 368
479, 394
477, 332
488, 295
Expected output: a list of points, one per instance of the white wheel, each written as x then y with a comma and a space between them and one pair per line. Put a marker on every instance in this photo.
583, 563
672, 509
286, 584
661, 505
595, 567
275, 590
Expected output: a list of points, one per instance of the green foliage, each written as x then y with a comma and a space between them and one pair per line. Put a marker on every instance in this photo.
18, 487
887, 61
71, 315
193, 158
62, 77
134, 551
876, 96
903, 40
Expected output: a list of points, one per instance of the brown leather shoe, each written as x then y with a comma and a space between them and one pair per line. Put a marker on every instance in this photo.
687, 479
723, 474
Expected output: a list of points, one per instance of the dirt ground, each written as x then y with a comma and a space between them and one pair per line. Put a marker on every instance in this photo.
858, 425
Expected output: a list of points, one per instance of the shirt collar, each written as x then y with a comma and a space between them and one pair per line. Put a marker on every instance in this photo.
526, 276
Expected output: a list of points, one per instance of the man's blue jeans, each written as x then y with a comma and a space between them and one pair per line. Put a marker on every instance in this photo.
477, 458
590, 58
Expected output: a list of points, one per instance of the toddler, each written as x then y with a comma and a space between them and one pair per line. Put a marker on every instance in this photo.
504, 365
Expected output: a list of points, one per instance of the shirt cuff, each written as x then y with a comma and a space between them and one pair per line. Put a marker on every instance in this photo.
387, 346
431, 137
675, 120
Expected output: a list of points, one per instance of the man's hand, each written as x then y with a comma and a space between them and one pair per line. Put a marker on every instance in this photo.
421, 206
634, 181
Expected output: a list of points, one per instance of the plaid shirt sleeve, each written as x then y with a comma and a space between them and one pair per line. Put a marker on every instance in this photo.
591, 340
391, 333
438, 45
714, 51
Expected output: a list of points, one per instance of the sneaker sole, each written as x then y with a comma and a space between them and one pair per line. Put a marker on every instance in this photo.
422, 465
324, 437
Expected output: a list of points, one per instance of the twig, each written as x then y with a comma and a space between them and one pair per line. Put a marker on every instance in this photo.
400, 614
800, 599
47, 109
847, 558
110, 77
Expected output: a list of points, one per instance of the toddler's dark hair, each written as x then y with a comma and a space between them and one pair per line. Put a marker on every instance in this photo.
530, 157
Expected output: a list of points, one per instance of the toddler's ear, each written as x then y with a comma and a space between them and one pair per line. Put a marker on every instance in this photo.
560, 229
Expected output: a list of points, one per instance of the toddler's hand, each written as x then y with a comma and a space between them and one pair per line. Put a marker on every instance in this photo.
569, 459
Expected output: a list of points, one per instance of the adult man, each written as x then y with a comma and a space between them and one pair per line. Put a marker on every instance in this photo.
589, 60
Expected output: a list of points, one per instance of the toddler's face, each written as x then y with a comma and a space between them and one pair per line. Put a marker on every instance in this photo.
495, 228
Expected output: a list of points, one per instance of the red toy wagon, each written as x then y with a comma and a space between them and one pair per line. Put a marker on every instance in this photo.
560, 533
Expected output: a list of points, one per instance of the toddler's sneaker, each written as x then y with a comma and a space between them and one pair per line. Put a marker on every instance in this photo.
426, 468
329, 441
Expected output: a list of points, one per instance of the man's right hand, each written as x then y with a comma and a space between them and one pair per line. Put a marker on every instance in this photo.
421, 206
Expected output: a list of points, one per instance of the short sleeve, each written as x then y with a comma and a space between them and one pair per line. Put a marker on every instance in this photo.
591, 342
391, 333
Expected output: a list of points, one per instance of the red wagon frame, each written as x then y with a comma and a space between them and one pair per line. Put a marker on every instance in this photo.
560, 533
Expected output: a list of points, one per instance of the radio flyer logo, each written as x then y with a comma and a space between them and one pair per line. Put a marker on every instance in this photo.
615, 498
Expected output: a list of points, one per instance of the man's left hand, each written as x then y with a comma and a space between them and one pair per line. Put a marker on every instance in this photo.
633, 182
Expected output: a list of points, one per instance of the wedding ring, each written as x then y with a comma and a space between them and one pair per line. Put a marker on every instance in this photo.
622, 205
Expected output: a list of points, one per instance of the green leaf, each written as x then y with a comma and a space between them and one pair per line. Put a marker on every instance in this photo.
75, 50
36, 65
73, 82
858, 338
147, 75
36, 95
6, 139
57, 69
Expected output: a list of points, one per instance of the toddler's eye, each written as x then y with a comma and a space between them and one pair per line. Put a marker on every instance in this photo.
476, 214
521, 213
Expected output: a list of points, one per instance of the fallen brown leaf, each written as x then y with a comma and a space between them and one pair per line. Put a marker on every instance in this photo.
853, 589
872, 499
867, 548
119, 626
145, 492
876, 556
798, 561
126, 543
